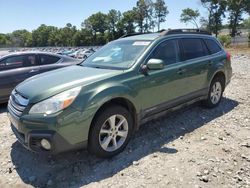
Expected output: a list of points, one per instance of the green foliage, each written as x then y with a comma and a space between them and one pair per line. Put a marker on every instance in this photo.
97, 29
225, 40
216, 12
246, 23
190, 15
161, 11
144, 15
97, 23
236, 10
127, 23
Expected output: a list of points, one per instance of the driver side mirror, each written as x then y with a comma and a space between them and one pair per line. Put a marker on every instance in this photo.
155, 64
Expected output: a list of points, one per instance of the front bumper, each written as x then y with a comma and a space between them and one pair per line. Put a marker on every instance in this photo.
30, 134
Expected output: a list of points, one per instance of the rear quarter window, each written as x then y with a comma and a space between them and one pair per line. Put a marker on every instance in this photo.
213, 47
48, 59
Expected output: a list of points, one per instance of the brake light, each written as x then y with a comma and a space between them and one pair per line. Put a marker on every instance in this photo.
228, 56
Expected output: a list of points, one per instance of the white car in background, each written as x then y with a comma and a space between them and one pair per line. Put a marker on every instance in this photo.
84, 54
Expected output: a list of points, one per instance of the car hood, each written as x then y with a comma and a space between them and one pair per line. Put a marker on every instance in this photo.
45, 85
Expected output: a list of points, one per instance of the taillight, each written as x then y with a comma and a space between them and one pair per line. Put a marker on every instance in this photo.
228, 56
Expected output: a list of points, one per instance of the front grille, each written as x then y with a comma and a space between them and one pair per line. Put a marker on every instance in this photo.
17, 104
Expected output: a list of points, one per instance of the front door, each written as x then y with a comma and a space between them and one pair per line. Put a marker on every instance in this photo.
14, 70
161, 87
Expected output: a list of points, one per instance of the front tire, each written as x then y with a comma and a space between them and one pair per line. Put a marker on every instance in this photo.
215, 93
110, 132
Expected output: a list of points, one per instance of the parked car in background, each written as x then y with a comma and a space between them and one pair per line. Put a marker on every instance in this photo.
100, 104
84, 54
16, 67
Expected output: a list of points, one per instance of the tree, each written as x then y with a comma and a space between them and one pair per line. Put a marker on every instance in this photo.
161, 11
190, 15
113, 19
236, 10
144, 15
216, 12
40, 36
246, 23
96, 23
83, 37
127, 23
21, 38
2, 39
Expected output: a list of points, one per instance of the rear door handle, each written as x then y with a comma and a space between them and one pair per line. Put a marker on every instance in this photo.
210, 63
181, 71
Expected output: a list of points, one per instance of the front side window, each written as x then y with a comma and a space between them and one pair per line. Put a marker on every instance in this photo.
193, 48
18, 62
167, 51
120, 54
48, 59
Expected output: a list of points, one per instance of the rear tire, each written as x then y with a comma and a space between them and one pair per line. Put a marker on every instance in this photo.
110, 132
215, 93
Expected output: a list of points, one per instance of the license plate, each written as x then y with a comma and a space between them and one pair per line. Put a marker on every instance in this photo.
13, 121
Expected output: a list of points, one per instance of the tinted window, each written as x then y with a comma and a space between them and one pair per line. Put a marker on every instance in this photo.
48, 59
193, 48
212, 46
18, 61
167, 51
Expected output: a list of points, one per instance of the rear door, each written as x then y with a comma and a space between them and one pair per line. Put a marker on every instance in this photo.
196, 59
14, 70
49, 62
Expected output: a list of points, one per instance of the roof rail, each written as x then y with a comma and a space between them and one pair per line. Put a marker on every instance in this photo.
165, 32
184, 31
133, 34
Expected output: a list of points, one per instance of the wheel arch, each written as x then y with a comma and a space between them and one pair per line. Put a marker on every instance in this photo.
118, 101
219, 74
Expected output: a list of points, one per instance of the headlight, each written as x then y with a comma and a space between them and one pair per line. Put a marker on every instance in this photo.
56, 103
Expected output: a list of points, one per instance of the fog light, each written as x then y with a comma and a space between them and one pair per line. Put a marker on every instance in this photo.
46, 144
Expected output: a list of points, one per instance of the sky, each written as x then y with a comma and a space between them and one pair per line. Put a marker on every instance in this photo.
29, 14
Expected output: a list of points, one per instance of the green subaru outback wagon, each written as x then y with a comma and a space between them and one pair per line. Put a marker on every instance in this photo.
100, 103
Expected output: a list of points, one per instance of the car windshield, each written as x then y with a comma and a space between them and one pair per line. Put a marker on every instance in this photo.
117, 55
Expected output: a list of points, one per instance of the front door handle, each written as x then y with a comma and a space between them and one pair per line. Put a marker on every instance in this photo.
181, 71
34, 71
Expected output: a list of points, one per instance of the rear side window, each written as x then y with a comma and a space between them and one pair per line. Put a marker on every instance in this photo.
18, 62
193, 48
212, 46
167, 51
48, 59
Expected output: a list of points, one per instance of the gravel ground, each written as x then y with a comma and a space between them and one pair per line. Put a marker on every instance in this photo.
194, 147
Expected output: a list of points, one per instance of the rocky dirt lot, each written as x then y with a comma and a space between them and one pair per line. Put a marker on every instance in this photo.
194, 147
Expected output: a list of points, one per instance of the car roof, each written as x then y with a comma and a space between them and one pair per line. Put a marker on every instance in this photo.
168, 33
36, 52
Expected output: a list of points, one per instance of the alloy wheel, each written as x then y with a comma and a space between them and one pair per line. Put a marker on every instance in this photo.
113, 133
216, 92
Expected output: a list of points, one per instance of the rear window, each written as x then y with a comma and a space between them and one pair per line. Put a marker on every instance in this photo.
48, 59
193, 48
212, 46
